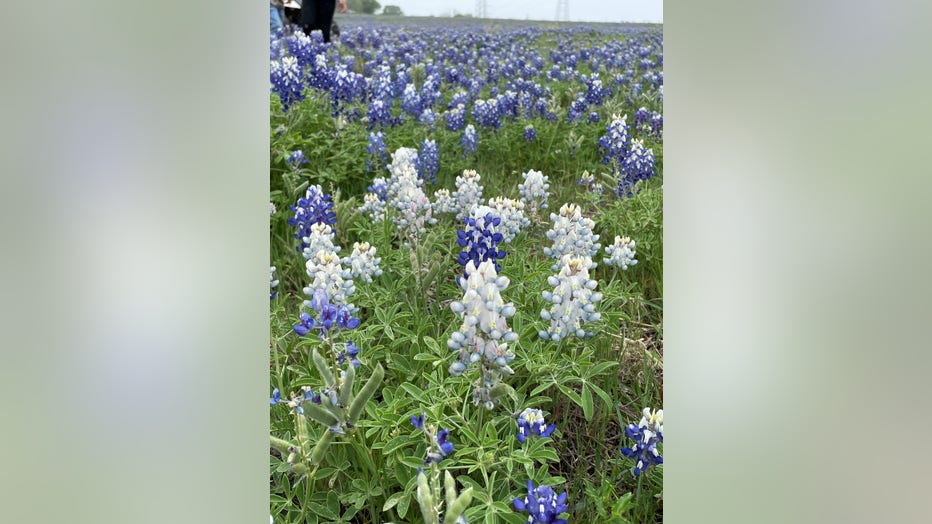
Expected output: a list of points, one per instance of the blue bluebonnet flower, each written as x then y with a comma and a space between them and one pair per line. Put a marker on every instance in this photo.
542, 504
614, 144
363, 263
375, 151
455, 118
438, 445
411, 101
621, 253
637, 165
571, 234
487, 113
329, 316
531, 422
469, 139
428, 118
379, 114
296, 159
656, 122
329, 277
468, 193
573, 300
351, 353
276, 397
286, 81
641, 116
379, 187
480, 238
530, 134
577, 109
647, 434
595, 92
315, 207
428, 161
593, 118
272, 283
534, 190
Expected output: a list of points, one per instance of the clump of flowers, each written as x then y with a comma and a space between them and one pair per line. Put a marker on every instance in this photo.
469, 140
621, 253
319, 239
535, 190
484, 335
573, 300
571, 234
531, 422
315, 207
646, 435
438, 446
296, 159
329, 316
511, 212
530, 134
444, 202
480, 238
375, 150
637, 165
328, 275
614, 144
287, 81
363, 263
374, 207
468, 193
542, 504
428, 161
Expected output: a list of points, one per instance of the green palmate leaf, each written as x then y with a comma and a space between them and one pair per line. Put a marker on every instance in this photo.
323, 511
323, 369
359, 403
587, 402
392, 501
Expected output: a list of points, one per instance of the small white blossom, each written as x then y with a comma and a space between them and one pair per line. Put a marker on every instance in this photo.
363, 263
512, 214
327, 274
374, 207
534, 190
571, 234
573, 300
621, 253
468, 193
320, 239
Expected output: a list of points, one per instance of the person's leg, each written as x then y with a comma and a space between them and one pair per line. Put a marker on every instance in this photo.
275, 20
325, 17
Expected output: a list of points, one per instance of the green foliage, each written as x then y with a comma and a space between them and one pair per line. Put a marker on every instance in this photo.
392, 10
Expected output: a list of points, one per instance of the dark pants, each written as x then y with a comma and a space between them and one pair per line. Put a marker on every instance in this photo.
318, 14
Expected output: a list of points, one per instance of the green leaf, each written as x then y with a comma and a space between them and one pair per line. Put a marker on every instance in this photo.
587, 402
323, 511
433, 345
359, 403
392, 501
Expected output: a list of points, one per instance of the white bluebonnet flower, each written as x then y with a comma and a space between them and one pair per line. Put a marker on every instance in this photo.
511, 212
469, 141
637, 165
319, 239
328, 275
443, 202
272, 283
272, 209
571, 234
647, 434
485, 334
405, 195
374, 207
534, 191
573, 300
468, 193
621, 253
363, 263
531, 422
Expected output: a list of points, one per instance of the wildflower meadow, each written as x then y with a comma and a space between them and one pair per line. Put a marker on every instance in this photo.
466, 287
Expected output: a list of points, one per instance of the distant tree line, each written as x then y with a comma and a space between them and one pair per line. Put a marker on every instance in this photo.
363, 6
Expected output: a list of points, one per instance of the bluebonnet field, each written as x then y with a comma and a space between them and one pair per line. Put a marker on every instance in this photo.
466, 273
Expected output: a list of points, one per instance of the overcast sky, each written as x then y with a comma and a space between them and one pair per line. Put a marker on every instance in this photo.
580, 10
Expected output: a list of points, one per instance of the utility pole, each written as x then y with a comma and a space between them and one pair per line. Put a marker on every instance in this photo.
563, 10
481, 9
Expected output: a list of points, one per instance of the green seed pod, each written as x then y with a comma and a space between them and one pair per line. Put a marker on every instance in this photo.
281, 445
346, 390
459, 505
450, 488
299, 469
499, 390
359, 403
302, 432
321, 447
425, 500
322, 368
319, 414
